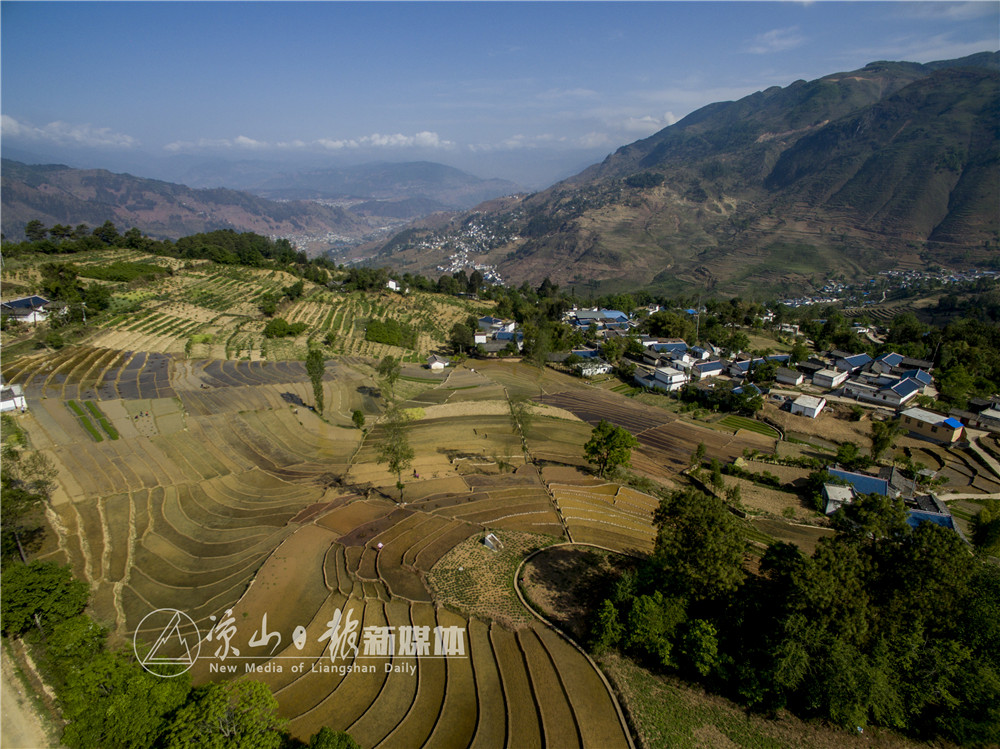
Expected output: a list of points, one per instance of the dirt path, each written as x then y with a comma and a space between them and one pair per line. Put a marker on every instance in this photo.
20, 727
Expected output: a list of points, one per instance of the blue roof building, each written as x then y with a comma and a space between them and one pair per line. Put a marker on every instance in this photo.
862, 482
924, 378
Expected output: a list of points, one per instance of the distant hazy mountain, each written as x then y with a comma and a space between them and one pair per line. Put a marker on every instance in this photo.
896, 164
440, 187
54, 193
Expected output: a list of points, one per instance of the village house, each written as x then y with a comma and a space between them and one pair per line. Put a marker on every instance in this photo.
931, 425
704, 369
829, 378
787, 376
436, 362
853, 363
29, 309
808, 405
887, 362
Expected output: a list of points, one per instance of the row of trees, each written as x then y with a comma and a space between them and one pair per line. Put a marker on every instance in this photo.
883, 624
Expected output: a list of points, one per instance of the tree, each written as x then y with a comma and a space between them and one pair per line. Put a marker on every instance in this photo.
461, 338
699, 546
873, 517
42, 594
520, 419
237, 714
737, 341
799, 353
106, 232
389, 370
698, 455
35, 230
327, 738
850, 457
59, 281
700, 646
17, 524
394, 448
358, 417
607, 630
97, 297
315, 367
112, 702
883, 436
746, 402
652, 622
609, 447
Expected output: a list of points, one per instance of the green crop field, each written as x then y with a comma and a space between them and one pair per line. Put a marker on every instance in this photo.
739, 422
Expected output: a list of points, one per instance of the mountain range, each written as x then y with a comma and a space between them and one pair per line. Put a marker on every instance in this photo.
316, 208
893, 165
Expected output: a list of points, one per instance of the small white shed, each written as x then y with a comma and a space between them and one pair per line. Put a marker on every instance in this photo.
808, 405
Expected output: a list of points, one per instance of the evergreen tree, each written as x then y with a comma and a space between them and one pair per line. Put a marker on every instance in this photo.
315, 367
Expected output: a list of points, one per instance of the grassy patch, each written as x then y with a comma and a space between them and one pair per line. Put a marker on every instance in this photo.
667, 712
85, 421
751, 425
478, 582
102, 419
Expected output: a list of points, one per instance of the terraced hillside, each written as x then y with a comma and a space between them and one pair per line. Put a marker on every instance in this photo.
208, 486
201, 309
227, 499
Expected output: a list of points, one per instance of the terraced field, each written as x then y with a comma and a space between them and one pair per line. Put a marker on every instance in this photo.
225, 497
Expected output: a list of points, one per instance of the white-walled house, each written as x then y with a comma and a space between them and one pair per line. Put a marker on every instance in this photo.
670, 378
808, 405
29, 309
829, 378
436, 362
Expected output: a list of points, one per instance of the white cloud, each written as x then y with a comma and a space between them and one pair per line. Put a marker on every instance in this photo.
329, 144
776, 40
648, 125
398, 140
244, 142
424, 139
64, 133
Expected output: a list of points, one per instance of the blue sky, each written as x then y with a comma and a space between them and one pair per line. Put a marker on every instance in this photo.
498, 89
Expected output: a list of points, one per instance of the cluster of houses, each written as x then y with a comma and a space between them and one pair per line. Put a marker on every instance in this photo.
496, 335
890, 482
890, 380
